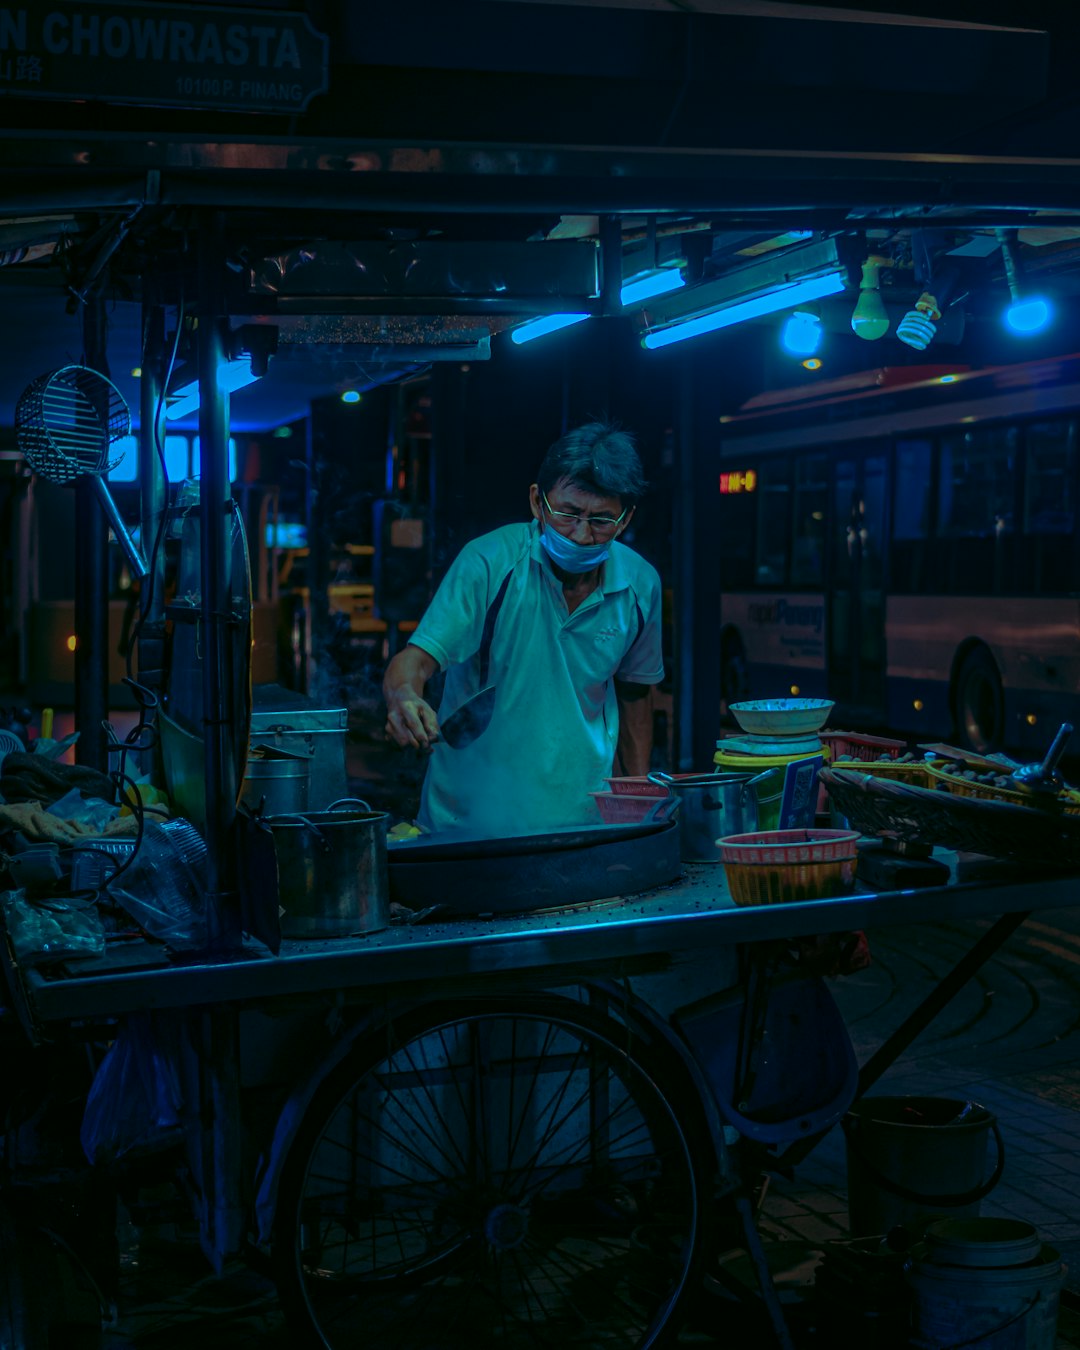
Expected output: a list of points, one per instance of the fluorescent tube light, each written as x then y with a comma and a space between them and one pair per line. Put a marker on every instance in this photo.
550, 323
652, 283
232, 375
784, 297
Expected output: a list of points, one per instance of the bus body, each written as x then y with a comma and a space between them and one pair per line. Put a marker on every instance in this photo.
905, 543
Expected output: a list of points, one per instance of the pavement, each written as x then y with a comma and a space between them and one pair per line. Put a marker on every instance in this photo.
1009, 1041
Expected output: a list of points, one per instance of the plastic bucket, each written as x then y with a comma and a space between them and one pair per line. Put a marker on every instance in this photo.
964, 1293
911, 1158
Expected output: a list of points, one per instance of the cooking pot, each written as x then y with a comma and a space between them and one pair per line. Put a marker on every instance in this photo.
331, 868
712, 805
276, 782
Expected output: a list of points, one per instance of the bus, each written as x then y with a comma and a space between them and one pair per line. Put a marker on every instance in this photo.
904, 541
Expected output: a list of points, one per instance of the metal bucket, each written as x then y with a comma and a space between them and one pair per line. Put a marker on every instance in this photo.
711, 806
331, 866
276, 782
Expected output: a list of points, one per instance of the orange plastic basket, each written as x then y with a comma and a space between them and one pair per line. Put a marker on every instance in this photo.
774, 867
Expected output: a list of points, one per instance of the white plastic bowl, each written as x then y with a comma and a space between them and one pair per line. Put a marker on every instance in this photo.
782, 716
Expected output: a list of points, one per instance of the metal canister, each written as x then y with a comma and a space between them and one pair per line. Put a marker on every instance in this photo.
331, 867
712, 805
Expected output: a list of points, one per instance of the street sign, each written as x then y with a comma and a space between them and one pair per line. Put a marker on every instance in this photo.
187, 56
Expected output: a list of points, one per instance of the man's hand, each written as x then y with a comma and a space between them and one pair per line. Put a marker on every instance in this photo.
411, 720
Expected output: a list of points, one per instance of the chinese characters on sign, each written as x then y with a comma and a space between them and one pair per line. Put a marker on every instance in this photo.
170, 55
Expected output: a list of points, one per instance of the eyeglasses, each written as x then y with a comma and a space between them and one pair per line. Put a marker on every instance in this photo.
598, 524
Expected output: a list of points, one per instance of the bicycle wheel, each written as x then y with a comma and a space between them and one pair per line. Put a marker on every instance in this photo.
507, 1175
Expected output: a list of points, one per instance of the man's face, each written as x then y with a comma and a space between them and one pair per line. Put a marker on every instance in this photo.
581, 516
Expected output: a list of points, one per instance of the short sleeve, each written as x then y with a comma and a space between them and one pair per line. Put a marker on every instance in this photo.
453, 623
643, 662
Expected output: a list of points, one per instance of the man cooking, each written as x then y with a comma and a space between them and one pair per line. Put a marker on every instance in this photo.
563, 621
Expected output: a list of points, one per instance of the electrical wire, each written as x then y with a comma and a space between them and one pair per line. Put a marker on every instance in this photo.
159, 537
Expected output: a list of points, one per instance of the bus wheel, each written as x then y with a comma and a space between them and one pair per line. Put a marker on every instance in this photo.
734, 684
979, 704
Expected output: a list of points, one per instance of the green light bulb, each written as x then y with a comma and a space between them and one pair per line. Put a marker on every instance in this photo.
869, 319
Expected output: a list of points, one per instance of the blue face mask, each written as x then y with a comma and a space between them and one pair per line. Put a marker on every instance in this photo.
573, 557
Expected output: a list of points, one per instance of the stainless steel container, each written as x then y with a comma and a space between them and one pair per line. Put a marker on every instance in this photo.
276, 782
331, 866
712, 805
300, 725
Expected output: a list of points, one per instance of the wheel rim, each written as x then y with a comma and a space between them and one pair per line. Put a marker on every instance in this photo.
502, 1179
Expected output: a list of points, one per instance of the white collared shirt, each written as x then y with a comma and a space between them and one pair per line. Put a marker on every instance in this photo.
552, 737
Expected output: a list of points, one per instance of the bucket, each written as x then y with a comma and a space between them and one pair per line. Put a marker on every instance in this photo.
711, 805
968, 1288
910, 1158
276, 782
787, 800
331, 870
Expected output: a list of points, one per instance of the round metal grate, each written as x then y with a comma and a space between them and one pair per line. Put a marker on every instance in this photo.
66, 421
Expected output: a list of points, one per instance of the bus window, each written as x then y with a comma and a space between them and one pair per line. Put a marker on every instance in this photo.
811, 503
1047, 553
773, 525
911, 517
977, 483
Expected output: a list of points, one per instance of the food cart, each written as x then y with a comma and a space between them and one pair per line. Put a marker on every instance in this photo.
512, 1121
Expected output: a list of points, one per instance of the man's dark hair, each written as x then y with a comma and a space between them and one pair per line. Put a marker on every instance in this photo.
597, 458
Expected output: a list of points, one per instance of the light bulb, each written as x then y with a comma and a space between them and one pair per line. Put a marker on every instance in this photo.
802, 333
869, 319
917, 327
1028, 315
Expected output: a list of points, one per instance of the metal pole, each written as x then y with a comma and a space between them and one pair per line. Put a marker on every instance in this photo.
91, 585
152, 500
215, 514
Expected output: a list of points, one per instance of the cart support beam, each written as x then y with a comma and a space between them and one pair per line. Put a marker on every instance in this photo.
215, 502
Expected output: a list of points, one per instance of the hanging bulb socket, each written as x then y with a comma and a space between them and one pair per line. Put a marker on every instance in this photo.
870, 319
918, 326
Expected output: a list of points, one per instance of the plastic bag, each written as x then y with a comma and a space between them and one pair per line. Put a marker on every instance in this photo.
92, 812
133, 1107
164, 889
42, 931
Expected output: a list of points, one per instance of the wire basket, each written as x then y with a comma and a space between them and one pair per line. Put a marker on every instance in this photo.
66, 421
875, 806
936, 777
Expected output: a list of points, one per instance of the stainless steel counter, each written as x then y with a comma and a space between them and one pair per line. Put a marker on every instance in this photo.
692, 914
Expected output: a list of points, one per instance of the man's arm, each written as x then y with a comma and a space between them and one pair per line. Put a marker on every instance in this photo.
634, 749
410, 719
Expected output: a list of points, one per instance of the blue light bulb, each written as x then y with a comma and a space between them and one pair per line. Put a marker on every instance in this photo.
802, 333
1028, 316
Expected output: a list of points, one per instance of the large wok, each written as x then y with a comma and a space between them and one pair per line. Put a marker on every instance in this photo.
467, 874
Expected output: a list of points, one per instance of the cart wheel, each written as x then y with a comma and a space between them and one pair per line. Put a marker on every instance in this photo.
507, 1175
24, 1321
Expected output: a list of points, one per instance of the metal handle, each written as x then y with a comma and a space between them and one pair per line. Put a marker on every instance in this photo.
1057, 749
132, 552
349, 801
662, 809
662, 778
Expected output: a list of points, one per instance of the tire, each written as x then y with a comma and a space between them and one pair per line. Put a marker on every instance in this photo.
24, 1319
502, 1174
979, 703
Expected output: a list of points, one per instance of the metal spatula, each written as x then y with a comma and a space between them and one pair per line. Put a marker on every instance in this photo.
463, 725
